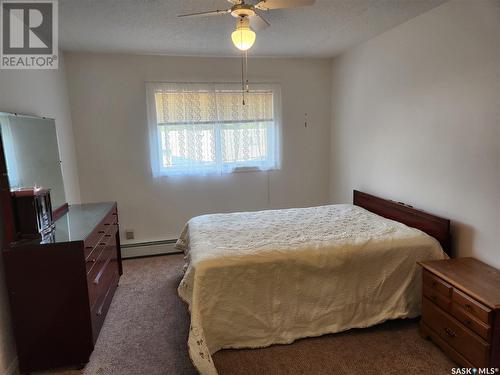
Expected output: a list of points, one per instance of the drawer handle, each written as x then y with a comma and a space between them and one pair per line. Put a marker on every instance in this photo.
468, 322
434, 284
107, 235
98, 277
89, 247
91, 260
468, 306
449, 332
107, 224
101, 308
101, 232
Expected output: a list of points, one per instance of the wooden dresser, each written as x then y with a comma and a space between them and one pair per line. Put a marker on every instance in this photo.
60, 290
461, 310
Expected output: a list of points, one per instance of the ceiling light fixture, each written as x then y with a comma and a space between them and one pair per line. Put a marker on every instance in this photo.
243, 37
249, 14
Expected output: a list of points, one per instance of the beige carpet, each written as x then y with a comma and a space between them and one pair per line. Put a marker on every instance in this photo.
145, 333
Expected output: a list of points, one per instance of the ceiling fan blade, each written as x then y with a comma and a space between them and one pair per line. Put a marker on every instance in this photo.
205, 14
282, 4
258, 22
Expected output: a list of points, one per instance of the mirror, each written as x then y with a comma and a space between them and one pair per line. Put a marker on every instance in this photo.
32, 154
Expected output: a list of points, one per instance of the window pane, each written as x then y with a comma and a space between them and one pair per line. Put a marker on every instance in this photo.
182, 107
190, 146
244, 142
259, 106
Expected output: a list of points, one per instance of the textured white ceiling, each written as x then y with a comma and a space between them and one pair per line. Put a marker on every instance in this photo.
151, 26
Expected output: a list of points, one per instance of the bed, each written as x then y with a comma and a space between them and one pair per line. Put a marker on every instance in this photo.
253, 279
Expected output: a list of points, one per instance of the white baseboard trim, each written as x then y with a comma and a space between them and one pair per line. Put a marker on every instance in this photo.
13, 368
141, 249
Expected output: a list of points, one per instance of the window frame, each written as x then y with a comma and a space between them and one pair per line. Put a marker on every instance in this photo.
220, 167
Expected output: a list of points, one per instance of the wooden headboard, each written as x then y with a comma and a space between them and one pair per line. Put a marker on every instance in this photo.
434, 226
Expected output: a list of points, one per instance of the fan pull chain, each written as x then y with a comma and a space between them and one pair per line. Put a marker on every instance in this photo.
246, 71
243, 78
244, 75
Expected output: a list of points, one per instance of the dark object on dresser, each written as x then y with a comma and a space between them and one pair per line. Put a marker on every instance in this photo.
32, 212
461, 310
60, 291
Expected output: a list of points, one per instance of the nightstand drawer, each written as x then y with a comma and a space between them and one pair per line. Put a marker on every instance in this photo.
471, 306
437, 284
439, 299
471, 322
455, 334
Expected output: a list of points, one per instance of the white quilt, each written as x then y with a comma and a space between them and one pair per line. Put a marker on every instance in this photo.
259, 278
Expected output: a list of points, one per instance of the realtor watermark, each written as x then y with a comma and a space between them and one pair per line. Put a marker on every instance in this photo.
29, 34
474, 371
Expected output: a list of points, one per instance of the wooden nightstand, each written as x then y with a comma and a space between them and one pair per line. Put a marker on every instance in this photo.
461, 310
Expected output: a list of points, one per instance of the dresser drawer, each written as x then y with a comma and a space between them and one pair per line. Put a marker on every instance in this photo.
435, 296
94, 257
435, 283
101, 307
471, 322
108, 239
470, 305
111, 220
99, 275
93, 240
455, 334
114, 215
106, 226
96, 278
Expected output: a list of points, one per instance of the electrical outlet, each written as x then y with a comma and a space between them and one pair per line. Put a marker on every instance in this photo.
129, 234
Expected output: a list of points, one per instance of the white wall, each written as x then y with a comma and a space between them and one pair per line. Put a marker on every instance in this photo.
108, 102
415, 118
40, 93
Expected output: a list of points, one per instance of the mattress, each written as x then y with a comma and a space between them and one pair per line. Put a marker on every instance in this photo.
253, 279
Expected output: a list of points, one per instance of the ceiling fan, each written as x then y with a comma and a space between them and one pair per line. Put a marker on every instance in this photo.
249, 17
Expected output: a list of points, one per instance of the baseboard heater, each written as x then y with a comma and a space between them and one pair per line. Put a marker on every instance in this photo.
148, 248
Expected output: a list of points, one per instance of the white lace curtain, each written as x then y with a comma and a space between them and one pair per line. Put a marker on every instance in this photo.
205, 128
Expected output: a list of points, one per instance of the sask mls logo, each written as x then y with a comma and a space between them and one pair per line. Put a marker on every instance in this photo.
29, 34
474, 371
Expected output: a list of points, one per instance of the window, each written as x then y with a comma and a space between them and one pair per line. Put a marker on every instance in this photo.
205, 128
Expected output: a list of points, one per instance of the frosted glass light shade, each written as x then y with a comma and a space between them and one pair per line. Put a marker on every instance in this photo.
243, 37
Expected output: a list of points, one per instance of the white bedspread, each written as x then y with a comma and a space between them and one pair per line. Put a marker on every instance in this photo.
259, 278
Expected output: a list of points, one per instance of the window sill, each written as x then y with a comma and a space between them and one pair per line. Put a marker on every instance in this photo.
246, 169
212, 174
